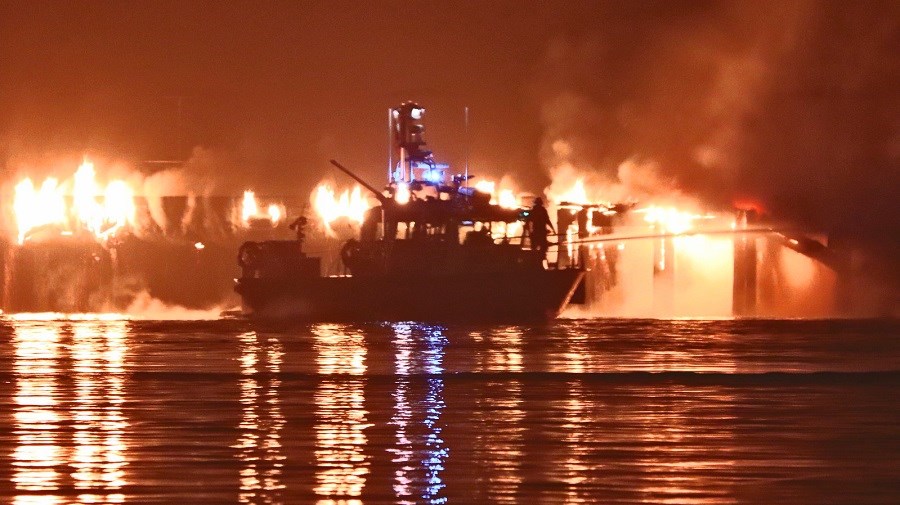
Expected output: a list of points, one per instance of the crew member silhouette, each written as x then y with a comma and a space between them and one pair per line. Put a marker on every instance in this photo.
539, 224
299, 227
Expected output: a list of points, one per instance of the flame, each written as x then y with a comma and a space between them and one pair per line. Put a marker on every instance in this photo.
669, 219
249, 207
576, 194
274, 213
47, 206
250, 210
119, 208
486, 186
102, 220
350, 204
504, 197
34, 209
403, 194
507, 199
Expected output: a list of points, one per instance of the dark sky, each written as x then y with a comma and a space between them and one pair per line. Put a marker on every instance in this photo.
791, 104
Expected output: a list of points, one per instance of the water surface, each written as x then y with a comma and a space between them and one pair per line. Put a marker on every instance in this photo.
576, 411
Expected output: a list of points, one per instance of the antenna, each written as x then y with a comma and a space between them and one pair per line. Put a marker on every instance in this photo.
466, 120
390, 145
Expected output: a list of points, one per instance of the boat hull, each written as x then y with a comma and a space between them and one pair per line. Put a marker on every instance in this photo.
506, 296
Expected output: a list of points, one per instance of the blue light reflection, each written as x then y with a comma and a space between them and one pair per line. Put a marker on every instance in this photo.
420, 452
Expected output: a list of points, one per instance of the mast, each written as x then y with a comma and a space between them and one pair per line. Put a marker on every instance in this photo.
466, 139
390, 145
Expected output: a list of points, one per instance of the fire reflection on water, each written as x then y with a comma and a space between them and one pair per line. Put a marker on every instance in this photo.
577, 473
683, 475
342, 465
44, 416
501, 443
419, 453
262, 420
98, 457
38, 456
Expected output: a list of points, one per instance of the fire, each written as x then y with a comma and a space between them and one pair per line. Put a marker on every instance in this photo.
670, 219
274, 213
36, 208
250, 210
486, 187
576, 194
47, 206
350, 204
504, 197
403, 194
104, 219
249, 207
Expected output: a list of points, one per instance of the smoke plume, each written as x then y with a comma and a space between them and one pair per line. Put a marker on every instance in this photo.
786, 104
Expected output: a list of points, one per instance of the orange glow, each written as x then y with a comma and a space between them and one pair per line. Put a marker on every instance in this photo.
403, 194
274, 212
259, 444
342, 465
576, 194
34, 209
500, 195
669, 219
249, 207
350, 204
250, 210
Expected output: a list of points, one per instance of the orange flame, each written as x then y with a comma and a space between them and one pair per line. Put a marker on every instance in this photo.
47, 206
669, 219
249, 207
350, 204
504, 197
36, 208
576, 194
403, 194
250, 210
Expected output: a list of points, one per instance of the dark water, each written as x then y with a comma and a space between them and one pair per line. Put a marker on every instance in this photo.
578, 411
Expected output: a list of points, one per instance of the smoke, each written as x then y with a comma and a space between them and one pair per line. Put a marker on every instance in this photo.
783, 103
633, 180
205, 175
788, 105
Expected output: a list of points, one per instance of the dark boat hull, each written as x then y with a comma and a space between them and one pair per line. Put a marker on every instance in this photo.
507, 296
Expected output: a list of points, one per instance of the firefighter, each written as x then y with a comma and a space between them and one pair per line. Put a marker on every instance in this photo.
539, 223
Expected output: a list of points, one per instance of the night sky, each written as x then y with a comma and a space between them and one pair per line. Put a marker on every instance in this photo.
790, 104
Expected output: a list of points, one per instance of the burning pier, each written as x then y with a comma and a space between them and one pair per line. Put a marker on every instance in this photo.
86, 246
81, 246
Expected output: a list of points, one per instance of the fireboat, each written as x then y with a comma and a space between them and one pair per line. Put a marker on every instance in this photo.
425, 253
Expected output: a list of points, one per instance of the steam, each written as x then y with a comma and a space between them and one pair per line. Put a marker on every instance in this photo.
145, 306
